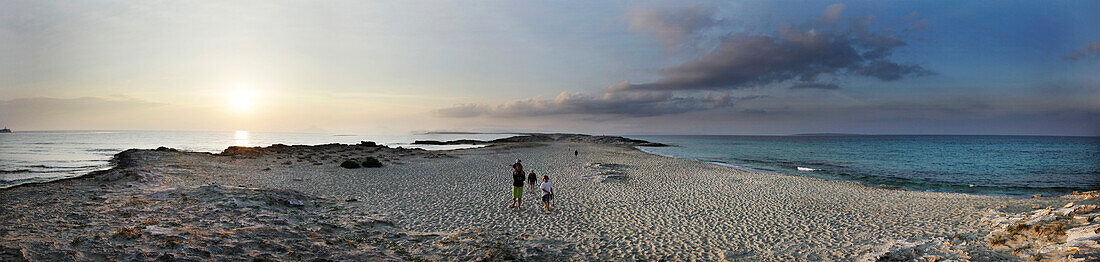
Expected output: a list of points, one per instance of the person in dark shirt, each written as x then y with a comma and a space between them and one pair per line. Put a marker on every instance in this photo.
517, 185
532, 181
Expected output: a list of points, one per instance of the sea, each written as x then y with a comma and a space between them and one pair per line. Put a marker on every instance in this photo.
1015, 166
41, 156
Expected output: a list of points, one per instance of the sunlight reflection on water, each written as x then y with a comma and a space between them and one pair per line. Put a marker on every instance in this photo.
240, 138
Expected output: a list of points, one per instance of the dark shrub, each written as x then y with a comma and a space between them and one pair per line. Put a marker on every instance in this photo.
372, 162
349, 164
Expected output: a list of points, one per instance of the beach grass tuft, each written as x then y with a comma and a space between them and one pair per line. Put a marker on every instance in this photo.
350, 164
372, 162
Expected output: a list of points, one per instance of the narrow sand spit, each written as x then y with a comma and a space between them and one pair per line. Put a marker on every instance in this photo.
614, 202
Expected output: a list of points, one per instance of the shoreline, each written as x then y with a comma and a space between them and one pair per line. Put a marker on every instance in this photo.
478, 144
617, 202
913, 177
751, 170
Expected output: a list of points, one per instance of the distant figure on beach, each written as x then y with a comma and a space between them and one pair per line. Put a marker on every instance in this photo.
547, 192
517, 185
576, 153
532, 181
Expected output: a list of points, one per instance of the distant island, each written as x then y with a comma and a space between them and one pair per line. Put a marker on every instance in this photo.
826, 134
470, 133
537, 137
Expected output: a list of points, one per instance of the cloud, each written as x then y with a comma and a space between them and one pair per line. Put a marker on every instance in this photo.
813, 85
23, 108
797, 55
632, 104
1091, 50
889, 71
745, 60
70, 113
832, 13
673, 26
462, 111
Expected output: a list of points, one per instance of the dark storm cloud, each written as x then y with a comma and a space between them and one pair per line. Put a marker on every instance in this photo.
1091, 50
633, 104
889, 71
798, 55
793, 53
673, 26
814, 85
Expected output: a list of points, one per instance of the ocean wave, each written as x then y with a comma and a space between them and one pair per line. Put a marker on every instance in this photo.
65, 167
807, 169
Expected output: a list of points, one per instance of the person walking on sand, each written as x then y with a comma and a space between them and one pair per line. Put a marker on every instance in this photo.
517, 185
533, 181
547, 192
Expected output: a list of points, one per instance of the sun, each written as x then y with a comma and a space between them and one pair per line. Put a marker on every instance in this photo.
242, 100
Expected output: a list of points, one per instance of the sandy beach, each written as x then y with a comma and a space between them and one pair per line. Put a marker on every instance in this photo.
613, 201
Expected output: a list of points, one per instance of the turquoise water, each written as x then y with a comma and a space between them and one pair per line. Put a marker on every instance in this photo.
990, 165
31, 157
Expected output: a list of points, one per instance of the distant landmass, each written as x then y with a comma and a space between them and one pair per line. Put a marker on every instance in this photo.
541, 137
468, 133
826, 134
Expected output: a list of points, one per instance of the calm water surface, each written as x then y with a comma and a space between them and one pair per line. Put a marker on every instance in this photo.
991, 165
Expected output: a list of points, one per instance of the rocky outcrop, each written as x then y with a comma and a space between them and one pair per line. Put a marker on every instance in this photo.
128, 170
253, 152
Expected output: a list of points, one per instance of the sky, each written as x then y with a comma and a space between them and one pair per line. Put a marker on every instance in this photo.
607, 67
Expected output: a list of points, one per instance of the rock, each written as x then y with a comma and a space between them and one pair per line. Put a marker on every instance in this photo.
1036, 195
295, 202
351, 164
244, 152
1084, 209
166, 149
367, 143
1084, 195
372, 162
1069, 205
155, 230
351, 199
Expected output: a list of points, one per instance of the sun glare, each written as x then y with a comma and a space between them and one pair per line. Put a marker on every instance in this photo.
240, 138
242, 100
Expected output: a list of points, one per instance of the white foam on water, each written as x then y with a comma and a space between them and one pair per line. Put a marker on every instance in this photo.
805, 169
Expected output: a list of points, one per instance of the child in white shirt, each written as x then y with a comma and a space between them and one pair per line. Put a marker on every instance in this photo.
547, 192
